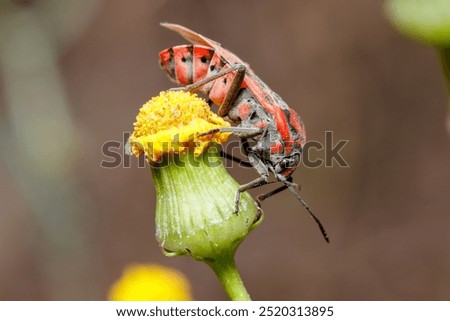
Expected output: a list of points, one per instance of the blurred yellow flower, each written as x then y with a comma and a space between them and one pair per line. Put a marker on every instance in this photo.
171, 122
150, 282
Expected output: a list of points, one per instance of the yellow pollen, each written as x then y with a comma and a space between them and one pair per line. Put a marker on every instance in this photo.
171, 122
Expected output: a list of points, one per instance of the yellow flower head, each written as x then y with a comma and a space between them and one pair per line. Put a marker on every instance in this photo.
171, 122
150, 282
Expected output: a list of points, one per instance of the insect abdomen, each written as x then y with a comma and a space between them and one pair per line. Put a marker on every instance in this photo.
186, 64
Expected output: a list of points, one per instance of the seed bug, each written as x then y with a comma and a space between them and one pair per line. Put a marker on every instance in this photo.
272, 134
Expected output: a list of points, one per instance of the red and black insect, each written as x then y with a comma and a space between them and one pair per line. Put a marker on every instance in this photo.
272, 134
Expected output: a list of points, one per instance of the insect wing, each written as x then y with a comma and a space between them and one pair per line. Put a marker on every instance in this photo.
197, 38
190, 35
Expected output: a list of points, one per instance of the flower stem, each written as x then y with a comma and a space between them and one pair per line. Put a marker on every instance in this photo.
445, 56
229, 277
445, 59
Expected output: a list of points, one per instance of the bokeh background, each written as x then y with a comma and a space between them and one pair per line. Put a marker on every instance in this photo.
75, 72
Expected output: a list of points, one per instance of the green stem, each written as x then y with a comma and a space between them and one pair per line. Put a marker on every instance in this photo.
229, 277
445, 57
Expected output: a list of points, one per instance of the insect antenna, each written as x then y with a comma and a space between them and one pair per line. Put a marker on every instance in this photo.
291, 187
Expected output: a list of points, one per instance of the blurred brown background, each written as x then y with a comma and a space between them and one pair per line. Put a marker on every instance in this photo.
73, 75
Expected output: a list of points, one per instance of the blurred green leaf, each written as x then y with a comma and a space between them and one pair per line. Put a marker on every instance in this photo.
424, 20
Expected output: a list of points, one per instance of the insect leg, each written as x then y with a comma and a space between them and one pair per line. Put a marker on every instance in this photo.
232, 91
239, 68
263, 179
242, 131
235, 159
260, 198
260, 181
245, 146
